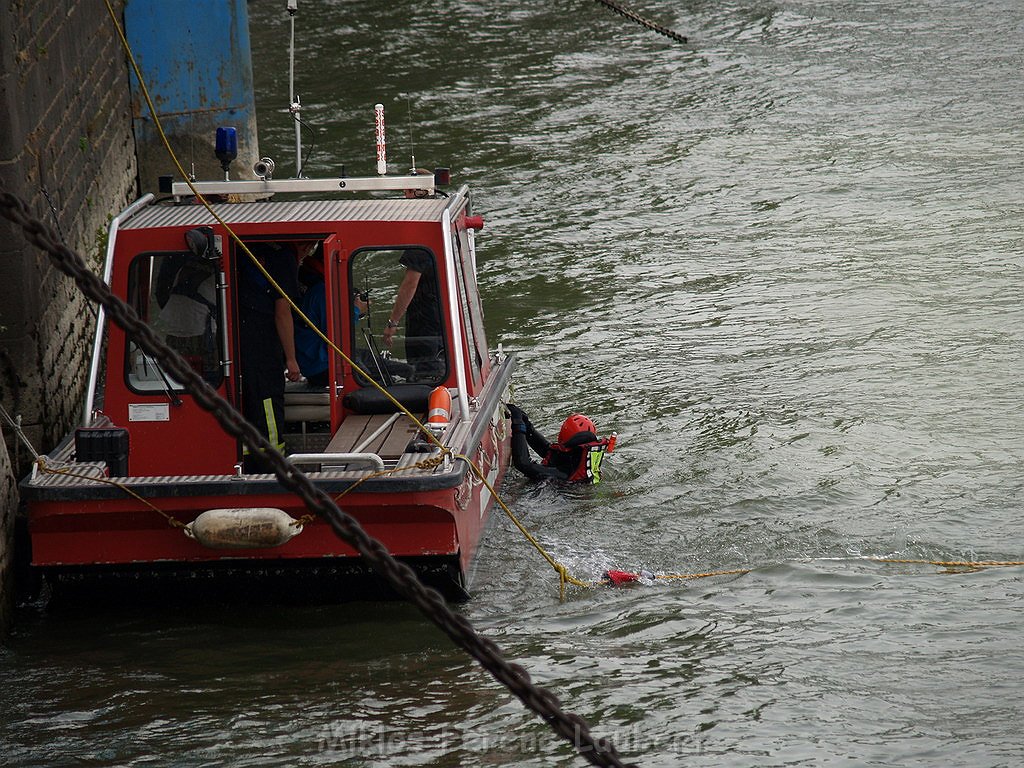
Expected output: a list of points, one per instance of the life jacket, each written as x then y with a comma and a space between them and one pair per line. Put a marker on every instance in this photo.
579, 457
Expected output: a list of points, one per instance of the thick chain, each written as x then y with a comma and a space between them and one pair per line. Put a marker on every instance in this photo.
398, 575
651, 25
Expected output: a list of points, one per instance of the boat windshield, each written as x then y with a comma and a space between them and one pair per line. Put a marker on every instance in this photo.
176, 294
398, 284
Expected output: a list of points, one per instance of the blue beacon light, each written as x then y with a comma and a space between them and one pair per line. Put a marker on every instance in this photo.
226, 148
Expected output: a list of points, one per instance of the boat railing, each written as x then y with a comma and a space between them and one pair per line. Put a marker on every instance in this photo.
180, 189
108, 270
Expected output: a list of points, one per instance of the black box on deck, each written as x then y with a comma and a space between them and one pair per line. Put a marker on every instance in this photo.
109, 444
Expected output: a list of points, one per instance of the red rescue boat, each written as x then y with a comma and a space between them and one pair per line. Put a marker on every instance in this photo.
150, 486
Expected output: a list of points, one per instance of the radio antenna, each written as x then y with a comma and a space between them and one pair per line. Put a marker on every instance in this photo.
293, 102
412, 141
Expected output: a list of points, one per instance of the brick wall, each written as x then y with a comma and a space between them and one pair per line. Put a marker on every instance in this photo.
66, 146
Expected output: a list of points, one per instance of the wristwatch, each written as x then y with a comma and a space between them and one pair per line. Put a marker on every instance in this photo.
392, 324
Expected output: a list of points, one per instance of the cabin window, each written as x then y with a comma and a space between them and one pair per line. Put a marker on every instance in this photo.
472, 308
468, 300
401, 283
176, 294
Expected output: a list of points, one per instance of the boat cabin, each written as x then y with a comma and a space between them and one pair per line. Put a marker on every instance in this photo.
349, 259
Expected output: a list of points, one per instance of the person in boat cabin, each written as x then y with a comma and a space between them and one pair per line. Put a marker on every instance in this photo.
266, 339
576, 457
418, 301
185, 293
310, 348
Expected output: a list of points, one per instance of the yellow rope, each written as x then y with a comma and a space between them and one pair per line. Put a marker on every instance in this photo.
952, 563
701, 575
430, 463
44, 468
237, 240
564, 576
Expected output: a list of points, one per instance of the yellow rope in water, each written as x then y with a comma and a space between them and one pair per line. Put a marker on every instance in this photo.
949, 563
564, 576
735, 571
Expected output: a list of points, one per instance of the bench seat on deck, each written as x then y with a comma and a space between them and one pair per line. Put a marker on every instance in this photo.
369, 400
305, 403
356, 431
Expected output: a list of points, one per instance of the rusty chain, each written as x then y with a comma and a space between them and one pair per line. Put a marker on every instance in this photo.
651, 25
399, 576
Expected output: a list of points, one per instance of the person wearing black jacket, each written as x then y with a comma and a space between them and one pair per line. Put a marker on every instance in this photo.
576, 457
267, 341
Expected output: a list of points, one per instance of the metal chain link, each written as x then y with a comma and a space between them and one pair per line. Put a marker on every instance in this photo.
651, 25
399, 576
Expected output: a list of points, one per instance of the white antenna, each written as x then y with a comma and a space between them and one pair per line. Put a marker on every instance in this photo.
412, 142
382, 152
294, 107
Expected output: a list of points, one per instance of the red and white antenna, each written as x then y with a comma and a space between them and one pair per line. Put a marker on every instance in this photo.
382, 152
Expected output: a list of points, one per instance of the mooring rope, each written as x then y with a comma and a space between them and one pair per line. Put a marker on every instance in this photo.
17, 431
46, 469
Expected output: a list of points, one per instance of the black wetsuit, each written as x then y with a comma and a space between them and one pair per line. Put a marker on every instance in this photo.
560, 464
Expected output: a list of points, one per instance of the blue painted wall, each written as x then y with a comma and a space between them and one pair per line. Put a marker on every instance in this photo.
197, 65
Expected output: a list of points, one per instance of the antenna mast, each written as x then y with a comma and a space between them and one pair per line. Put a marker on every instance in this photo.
412, 142
382, 152
294, 107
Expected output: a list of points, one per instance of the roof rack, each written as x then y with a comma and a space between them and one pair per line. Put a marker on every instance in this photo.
180, 189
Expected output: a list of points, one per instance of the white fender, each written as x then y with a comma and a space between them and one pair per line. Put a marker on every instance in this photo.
243, 528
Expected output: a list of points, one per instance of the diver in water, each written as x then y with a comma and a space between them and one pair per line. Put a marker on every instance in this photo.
576, 457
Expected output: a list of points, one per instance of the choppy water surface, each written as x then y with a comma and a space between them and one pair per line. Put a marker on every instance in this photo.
784, 262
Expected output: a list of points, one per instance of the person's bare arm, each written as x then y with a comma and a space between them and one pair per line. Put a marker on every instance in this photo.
405, 293
286, 333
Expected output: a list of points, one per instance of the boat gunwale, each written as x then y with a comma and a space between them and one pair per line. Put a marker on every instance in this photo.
44, 489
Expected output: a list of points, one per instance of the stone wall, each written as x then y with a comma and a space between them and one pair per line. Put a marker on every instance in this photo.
66, 147
8, 505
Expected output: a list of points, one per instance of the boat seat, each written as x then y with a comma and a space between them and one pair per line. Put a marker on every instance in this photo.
369, 400
305, 403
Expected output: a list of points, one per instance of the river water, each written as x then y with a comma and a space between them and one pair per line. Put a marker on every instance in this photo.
784, 262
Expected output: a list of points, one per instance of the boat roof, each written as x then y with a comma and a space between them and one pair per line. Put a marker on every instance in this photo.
291, 211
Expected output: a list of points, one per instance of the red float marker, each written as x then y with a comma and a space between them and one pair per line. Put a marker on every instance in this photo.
618, 578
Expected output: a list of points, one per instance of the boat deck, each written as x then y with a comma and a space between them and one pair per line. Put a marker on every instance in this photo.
386, 435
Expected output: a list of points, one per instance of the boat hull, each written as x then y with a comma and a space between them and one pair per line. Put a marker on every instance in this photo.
100, 534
